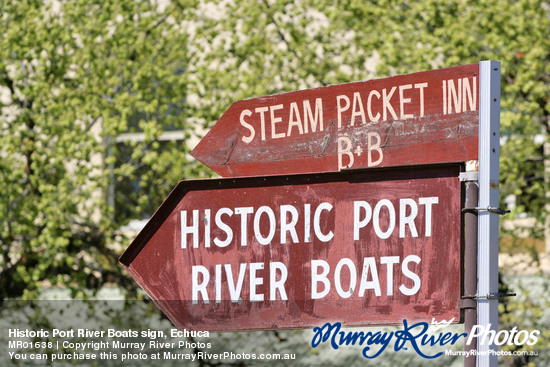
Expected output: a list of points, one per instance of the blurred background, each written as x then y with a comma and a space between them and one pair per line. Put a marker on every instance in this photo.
102, 101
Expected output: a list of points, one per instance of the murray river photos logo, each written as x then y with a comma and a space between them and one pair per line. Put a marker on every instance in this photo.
418, 337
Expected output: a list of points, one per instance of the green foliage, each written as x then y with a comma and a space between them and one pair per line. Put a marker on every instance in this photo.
74, 76
527, 311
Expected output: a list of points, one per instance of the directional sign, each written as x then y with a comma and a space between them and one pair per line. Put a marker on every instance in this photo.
359, 247
421, 118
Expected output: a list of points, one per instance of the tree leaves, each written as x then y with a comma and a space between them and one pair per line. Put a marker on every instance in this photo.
74, 77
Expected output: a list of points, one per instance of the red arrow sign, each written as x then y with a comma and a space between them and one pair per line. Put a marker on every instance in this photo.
426, 117
360, 247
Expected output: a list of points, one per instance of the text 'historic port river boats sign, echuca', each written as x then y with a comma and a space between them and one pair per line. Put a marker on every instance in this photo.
362, 247
420, 118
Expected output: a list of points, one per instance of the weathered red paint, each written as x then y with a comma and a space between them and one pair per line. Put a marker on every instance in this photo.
435, 121
163, 269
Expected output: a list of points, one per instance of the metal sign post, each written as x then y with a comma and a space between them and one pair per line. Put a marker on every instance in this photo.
489, 152
468, 301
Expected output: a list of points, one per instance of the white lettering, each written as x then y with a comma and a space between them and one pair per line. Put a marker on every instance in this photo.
224, 227
389, 261
469, 93
386, 105
289, 226
308, 115
247, 139
317, 278
369, 106
243, 212
235, 291
344, 150
352, 280
429, 201
360, 223
294, 119
376, 219
277, 285
262, 111
455, 96
192, 229
271, 216
197, 287
317, 222
420, 87
275, 120
369, 266
357, 109
374, 145
409, 274
255, 281
341, 108
407, 220
403, 101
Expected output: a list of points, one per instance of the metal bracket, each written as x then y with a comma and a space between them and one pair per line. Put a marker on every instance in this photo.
490, 209
468, 176
489, 296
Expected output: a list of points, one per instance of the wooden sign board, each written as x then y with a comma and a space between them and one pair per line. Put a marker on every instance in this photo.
359, 247
414, 119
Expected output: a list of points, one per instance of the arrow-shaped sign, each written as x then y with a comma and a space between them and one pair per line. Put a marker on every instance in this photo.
420, 118
362, 248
